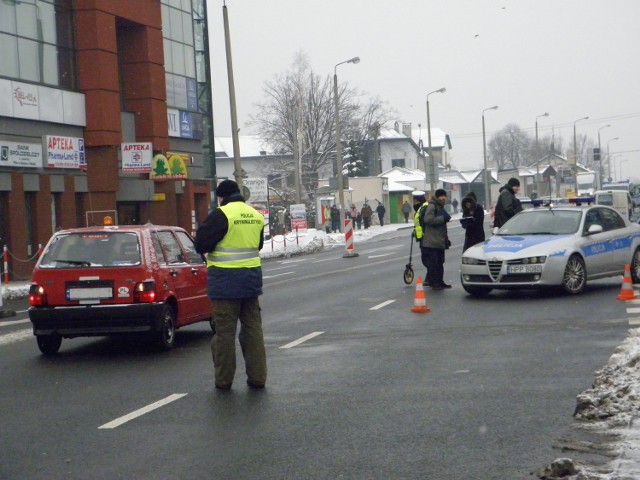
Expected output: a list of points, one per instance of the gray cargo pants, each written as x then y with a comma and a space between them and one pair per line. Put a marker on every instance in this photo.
223, 346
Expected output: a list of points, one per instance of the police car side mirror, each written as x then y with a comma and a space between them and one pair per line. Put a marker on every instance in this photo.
594, 229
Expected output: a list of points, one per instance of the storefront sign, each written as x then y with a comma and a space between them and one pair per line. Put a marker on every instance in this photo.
25, 155
173, 166
64, 152
258, 189
136, 157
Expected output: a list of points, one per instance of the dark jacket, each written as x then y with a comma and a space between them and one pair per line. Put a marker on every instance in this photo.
435, 221
473, 222
506, 207
226, 283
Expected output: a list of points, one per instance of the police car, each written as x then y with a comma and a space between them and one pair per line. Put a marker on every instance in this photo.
117, 279
563, 246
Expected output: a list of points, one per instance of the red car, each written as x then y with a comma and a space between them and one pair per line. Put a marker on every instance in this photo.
117, 279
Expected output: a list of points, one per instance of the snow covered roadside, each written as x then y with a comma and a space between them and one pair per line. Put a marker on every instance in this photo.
608, 409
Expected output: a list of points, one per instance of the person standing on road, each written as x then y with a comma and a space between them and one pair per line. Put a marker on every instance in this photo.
232, 237
435, 239
508, 205
472, 221
406, 210
381, 211
419, 205
366, 213
454, 204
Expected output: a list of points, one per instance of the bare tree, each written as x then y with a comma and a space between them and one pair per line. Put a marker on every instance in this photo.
511, 147
302, 100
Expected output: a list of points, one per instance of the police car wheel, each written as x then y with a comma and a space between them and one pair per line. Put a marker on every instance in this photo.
635, 266
575, 275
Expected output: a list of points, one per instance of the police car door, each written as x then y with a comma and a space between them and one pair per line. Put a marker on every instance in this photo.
615, 226
597, 247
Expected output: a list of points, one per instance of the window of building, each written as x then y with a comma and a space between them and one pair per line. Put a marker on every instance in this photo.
36, 37
397, 162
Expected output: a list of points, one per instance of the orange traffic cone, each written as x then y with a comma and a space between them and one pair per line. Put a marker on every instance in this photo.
626, 292
420, 302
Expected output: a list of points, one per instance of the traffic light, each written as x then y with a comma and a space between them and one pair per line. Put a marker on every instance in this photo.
596, 154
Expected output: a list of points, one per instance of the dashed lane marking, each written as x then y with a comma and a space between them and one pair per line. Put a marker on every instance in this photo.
141, 411
14, 322
14, 337
633, 310
383, 304
302, 340
634, 322
277, 275
382, 255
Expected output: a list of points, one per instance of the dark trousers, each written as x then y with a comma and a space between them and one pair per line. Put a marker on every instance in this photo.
435, 265
223, 346
381, 218
425, 262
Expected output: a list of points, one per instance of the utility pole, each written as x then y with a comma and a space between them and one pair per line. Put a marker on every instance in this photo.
237, 163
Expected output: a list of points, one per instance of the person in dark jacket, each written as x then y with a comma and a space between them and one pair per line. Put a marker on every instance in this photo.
508, 205
435, 239
472, 221
232, 237
381, 211
335, 219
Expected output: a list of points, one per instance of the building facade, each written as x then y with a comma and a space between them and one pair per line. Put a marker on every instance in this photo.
103, 108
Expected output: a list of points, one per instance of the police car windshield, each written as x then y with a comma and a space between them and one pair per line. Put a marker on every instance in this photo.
543, 222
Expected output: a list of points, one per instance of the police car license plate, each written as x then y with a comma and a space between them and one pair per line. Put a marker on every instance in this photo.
524, 268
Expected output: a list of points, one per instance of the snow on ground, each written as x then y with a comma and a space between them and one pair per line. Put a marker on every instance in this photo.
610, 408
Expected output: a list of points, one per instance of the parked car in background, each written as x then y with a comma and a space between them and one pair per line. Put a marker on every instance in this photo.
117, 279
617, 199
563, 246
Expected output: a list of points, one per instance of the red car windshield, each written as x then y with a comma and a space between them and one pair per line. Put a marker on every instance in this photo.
92, 249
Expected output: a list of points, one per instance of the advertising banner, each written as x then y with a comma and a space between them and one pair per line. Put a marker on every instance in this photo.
173, 166
136, 157
64, 152
25, 155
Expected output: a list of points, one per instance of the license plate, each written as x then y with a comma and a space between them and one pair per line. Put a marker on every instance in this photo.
524, 268
96, 293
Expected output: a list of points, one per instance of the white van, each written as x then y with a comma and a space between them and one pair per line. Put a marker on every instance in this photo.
618, 199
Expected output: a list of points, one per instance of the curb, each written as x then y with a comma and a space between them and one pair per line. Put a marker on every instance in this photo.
7, 313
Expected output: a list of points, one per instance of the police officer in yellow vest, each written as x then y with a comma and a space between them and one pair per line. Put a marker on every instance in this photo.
232, 237
419, 206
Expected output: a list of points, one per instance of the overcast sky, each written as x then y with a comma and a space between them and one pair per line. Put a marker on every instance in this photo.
571, 58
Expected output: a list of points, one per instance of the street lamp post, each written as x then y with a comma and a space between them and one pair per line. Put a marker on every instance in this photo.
487, 189
600, 170
609, 156
575, 152
432, 167
338, 142
545, 114
619, 170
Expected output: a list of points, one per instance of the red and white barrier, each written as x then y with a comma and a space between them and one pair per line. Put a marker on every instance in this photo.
348, 240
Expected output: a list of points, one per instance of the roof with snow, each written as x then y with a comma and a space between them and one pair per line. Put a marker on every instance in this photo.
250, 146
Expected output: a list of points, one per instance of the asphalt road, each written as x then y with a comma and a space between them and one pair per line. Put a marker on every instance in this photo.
359, 387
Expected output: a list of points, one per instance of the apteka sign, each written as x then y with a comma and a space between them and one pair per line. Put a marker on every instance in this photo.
136, 157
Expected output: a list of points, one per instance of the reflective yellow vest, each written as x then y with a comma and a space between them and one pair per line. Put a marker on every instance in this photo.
239, 247
417, 224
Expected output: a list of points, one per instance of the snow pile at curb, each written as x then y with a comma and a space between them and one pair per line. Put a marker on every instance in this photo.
609, 407
315, 245
14, 293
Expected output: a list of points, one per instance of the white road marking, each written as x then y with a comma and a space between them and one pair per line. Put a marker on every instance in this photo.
138, 413
462, 371
277, 275
276, 268
383, 304
634, 321
633, 310
297, 260
14, 337
381, 255
327, 259
302, 340
14, 322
